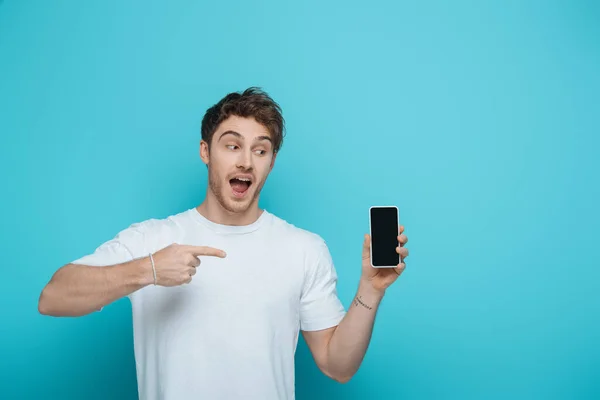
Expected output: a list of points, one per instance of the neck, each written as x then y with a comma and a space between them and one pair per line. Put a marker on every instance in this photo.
212, 210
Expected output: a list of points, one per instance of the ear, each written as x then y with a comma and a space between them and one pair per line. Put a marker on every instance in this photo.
204, 156
273, 162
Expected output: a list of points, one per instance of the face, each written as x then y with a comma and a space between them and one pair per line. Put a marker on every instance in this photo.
239, 160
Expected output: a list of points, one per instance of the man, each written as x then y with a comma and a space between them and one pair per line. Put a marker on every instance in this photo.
220, 292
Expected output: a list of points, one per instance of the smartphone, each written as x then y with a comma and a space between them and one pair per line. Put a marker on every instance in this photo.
384, 227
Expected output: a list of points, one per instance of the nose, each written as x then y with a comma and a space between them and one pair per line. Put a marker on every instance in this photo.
244, 160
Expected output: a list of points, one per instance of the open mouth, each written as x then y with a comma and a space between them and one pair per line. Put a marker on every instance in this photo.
240, 186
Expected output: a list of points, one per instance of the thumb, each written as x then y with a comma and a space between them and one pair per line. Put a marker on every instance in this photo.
366, 253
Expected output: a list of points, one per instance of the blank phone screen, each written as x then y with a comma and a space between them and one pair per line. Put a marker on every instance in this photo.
384, 236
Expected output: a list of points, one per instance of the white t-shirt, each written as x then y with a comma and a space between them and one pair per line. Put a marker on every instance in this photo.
232, 332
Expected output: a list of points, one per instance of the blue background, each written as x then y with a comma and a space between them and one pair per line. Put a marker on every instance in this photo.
479, 120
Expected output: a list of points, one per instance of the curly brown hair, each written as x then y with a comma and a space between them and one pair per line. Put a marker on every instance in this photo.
252, 102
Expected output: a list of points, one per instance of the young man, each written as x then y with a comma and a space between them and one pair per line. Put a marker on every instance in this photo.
220, 292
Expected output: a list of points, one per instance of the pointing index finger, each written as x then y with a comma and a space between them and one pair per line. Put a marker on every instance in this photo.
205, 251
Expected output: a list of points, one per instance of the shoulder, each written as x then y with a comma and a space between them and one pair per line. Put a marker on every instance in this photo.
152, 231
311, 244
163, 224
312, 253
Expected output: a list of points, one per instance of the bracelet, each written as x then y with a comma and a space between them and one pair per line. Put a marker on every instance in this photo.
153, 268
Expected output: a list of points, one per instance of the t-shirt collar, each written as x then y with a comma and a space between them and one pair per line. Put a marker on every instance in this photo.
229, 229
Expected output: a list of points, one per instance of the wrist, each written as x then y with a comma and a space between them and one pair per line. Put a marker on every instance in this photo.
370, 293
141, 270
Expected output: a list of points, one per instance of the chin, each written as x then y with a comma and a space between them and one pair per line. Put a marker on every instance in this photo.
235, 203
237, 208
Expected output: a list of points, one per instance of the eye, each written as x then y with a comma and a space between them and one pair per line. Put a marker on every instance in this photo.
231, 145
261, 152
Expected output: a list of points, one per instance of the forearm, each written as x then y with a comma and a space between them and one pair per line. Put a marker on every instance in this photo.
351, 338
77, 290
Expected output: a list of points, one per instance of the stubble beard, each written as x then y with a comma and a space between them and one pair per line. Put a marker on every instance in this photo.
222, 192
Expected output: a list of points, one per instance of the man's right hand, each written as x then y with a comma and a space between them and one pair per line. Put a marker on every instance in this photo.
177, 263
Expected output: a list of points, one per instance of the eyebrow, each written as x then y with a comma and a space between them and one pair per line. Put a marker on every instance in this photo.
238, 135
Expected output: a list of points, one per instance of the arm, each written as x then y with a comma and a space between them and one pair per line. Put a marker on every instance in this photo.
339, 351
77, 290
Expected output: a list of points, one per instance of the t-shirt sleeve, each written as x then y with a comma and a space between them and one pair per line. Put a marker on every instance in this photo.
121, 248
320, 306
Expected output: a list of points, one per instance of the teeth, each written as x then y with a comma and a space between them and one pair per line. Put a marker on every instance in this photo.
243, 179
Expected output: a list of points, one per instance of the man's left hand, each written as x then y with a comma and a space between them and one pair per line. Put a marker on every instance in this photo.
381, 278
